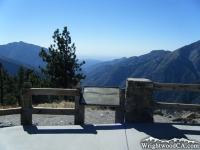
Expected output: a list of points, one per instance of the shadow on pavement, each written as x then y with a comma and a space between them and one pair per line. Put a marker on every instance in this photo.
163, 130
78, 129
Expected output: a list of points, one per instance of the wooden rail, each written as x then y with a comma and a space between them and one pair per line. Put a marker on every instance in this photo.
53, 111
138, 95
10, 111
177, 106
26, 110
176, 87
50, 91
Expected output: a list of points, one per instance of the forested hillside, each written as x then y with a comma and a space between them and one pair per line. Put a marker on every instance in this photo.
179, 66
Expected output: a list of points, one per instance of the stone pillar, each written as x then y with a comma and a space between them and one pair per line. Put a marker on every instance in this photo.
139, 97
26, 102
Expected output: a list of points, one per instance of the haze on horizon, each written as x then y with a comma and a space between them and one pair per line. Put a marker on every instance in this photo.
103, 29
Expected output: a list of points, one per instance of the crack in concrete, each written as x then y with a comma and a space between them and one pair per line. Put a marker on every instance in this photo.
126, 136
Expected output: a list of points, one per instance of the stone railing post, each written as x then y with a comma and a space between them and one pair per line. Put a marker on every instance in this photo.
80, 109
139, 99
119, 111
26, 102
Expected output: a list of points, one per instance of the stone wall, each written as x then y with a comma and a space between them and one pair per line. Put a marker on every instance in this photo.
139, 95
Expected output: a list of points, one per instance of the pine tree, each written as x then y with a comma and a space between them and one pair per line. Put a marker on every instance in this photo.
20, 77
3, 77
10, 91
27, 75
62, 67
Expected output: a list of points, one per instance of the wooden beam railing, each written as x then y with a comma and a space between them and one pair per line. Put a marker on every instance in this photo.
176, 87
26, 110
10, 111
176, 106
53, 111
138, 94
51, 91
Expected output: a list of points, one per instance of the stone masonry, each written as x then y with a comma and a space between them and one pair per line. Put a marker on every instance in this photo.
139, 96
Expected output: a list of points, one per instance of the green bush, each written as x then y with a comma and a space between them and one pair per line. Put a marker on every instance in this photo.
10, 99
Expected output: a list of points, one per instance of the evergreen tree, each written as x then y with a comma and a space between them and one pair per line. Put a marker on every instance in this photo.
27, 75
3, 77
20, 77
62, 69
10, 87
32, 77
11, 91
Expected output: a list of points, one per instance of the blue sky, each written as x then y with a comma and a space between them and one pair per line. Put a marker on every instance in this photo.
103, 28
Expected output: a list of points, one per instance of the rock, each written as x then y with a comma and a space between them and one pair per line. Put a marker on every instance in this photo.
169, 116
194, 121
177, 119
186, 120
182, 120
159, 112
190, 115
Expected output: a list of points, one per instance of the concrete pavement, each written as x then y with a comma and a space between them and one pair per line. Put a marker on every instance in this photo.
92, 137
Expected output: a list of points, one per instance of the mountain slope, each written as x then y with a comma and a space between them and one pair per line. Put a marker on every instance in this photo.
115, 75
179, 66
29, 54
87, 69
23, 52
12, 66
142, 58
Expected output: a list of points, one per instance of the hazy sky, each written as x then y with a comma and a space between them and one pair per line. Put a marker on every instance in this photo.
112, 28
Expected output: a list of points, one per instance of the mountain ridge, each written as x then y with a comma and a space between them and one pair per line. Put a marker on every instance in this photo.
179, 66
13, 65
23, 52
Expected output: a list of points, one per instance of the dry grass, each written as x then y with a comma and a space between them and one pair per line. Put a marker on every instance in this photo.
5, 107
175, 113
62, 104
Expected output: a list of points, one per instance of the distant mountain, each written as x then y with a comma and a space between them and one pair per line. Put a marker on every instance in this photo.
88, 68
116, 74
23, 52
89, 62
179, 66
12, 66
29, 54
138, 59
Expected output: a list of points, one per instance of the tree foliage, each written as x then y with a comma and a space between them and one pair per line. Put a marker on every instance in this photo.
10, 86
62, 69
3, 78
